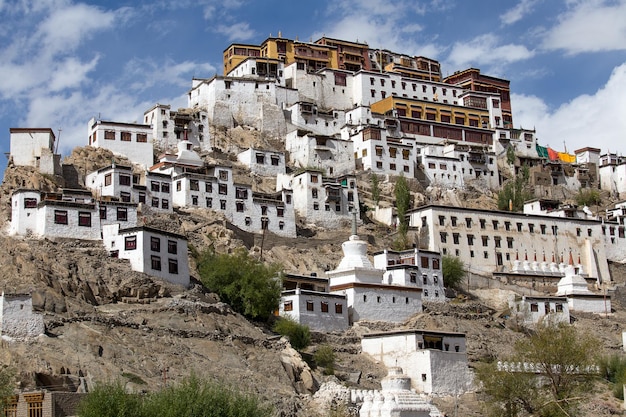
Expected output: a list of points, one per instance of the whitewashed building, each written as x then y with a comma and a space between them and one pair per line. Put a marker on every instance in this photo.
488, 241
377, 150
369, 296
72, 214
151, 189
413, 268
35, 147
17, 318
453, 165
574, 288
321, 311
305, 298
325, 202
308, 116
265, 163
612, 171
435, 361
535, 309
154, 252
230, 101
132, 140
332, 155
170, 126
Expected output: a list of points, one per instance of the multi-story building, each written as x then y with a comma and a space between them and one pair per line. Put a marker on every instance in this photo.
370, 296
263, 162
323, 201
132, 140
73, 214
305, 298
35, 147
612, 172
536, 309
332, 155
256, 102
471, 79
169, 127
413, 268
151, 189
155, 252
436, 361
489, 241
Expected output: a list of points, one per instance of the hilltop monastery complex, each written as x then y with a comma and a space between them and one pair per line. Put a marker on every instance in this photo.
339, 109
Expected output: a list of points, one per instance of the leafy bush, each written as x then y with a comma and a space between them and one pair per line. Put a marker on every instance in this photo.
298, 334
111, 400
588, 197
193, 397
7, 375
249, 286
613, 369
453, 271
375, 187
324, 356
515, 192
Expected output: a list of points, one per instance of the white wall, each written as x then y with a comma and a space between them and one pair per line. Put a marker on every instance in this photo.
27, 145
316, 319
432, 371
17, 319
140, 153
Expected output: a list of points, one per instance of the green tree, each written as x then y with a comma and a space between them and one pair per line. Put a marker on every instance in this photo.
588, 197
561, 356
375, 187
453, 271
515, 192
299, 335
7, 377
403, 203
510, 155
251, 287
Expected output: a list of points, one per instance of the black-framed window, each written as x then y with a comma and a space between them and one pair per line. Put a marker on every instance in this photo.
155, 244
155, 262
84, 219
172, 246
130, 242
60, 216
172, 266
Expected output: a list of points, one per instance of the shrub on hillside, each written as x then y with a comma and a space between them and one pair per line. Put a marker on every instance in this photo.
193, 397
324, 356
299, 335
249, 286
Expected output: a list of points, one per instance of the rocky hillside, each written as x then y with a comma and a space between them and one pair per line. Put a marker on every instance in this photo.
107, 322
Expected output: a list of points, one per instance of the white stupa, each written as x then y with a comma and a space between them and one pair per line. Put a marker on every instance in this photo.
395, 399
579, 297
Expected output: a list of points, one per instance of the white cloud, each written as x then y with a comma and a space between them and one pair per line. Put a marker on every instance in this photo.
485, 50
64, 29
517, 13
236, 32
149, 73
388, 25
588, 120
70, 73
589, 26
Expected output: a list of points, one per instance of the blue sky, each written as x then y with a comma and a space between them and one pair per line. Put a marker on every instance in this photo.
62, 61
